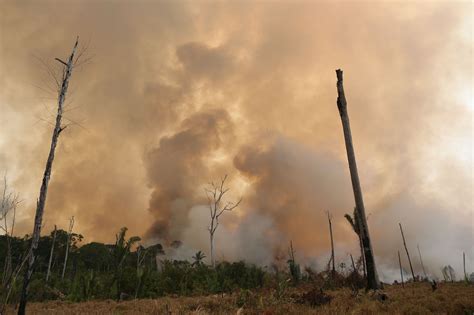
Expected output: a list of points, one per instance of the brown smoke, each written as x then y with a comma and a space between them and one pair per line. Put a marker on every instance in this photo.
178, 167
181, 93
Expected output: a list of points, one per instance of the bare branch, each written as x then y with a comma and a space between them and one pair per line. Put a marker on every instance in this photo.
215, 194
64, 63
229, 207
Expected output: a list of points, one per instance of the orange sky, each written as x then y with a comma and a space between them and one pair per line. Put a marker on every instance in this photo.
180, 93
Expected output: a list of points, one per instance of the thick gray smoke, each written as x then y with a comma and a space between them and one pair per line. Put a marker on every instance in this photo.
180, 93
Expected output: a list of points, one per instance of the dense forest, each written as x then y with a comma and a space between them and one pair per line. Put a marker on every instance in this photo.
120, 271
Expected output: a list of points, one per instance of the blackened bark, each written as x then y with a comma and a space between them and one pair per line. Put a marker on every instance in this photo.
372, 276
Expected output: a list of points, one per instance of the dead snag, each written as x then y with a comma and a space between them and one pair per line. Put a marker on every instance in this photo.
421, 261
51, 254
401, 270
333, 259
464, 266
353, 264
408, 254
372, 276
71, 225
215, 194
58, 128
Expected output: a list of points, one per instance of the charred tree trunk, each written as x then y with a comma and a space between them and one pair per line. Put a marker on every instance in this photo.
51, 254
71, 225
408, 254
44, 185
401, 270
333, 269
421, 261
372, 276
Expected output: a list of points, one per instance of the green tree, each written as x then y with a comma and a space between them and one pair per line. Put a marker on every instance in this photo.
120, 252
198, 258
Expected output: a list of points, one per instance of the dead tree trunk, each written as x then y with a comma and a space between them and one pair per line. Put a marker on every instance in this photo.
464, 266
401, 270
372, 276
212, 230
353, 264
359, 224
364, 268
8, 204
51, 254
215, 193
333, 269
421, 261
58, 128
408, 254
356, 226
71, 225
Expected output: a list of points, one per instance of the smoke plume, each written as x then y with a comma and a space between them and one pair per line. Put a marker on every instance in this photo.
178, 94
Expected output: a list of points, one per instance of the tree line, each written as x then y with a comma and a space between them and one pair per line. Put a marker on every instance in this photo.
123, 270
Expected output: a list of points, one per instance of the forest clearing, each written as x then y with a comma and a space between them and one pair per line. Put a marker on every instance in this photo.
236, 157
415, 298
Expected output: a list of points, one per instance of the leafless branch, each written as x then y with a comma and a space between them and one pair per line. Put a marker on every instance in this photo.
64, 63
215, 194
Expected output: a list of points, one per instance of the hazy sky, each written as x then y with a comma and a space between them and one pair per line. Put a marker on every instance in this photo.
178, 94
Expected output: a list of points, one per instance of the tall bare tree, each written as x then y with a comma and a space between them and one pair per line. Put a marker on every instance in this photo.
217, 207
421, 261
464, 266
48, 273
8, 205
353, 264
69, 233
401, 270
40, 205
372, 276
408, 254
333, 258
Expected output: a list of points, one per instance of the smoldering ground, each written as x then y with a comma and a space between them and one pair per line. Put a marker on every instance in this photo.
181, 93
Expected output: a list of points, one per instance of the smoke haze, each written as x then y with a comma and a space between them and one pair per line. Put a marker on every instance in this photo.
178, 94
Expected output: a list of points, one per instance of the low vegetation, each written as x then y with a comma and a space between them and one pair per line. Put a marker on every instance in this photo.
415, 298
128, 278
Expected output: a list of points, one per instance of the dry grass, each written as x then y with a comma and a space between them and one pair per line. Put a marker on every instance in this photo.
456, 298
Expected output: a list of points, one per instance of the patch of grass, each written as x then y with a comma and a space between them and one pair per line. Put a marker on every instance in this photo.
415, 298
